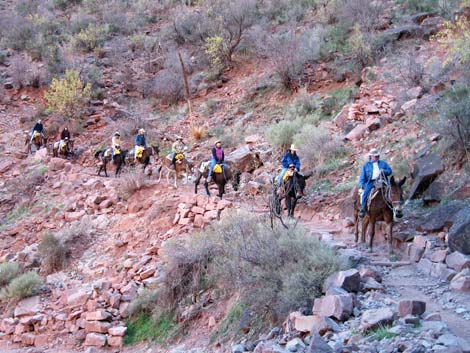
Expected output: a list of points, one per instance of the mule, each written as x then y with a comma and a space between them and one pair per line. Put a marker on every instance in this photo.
181, 166
147, 153
220, 179
386, 205
291, 190
119, 160
38, 141
65, 151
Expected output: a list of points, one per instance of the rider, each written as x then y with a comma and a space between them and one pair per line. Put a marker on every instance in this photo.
178, 147
115, 143
139, 141
370, 172
64, 136
290, 158
217, 158
39, 128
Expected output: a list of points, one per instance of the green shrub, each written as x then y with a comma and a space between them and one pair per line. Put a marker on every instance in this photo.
91, 38
130, 183
8, 271
280, 135
146, 327
63, 4
22, 286
318, 147
53, 252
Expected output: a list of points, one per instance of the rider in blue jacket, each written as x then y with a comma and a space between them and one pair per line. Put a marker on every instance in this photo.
140, 141
289, 158
370, 172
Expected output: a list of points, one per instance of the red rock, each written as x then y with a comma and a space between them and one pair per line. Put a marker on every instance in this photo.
97, 326
341, 118
28, 339
337, 306
28, 306
202, 200
199, 221
20, 328
41, 340
134, 207
56, 164
118, 331
95, 340
147, 273
74, 216
461, 282
99, 315
356, 133
411, 307
115, 341
5, 165
373, 124
197, 210
439, 255
8, 325
420, 241
442, 272
76, 297
223, 204
211, 215
408, 106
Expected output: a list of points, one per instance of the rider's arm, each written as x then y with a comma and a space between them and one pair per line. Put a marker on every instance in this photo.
363, 177
386, 168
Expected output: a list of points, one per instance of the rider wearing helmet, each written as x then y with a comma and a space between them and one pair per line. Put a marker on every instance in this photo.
218, 157
371, 171
178, 147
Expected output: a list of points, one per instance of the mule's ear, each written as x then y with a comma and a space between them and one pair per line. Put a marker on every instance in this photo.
392, 180
401, 182
306, 176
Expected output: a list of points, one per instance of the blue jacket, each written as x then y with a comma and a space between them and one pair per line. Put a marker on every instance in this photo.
367, 169
288, 159
140, 140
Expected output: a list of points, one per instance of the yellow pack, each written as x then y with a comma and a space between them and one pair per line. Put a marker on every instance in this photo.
117, 151
287, 175
217, 169
36, 134
139, 151
179, 156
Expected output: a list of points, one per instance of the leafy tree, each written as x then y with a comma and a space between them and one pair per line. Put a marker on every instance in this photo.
68, 96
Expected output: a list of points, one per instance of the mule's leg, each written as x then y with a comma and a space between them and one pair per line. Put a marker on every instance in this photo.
196, 182
288, 205
206, 185
390, 239
356, 224
365, 223
372, 233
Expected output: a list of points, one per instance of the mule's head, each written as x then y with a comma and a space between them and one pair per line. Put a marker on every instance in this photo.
299, 183
396, 196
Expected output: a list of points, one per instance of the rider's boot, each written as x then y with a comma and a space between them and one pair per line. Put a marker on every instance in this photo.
209, 178
362, 212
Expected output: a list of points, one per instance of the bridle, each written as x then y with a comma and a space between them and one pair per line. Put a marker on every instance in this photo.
386, 193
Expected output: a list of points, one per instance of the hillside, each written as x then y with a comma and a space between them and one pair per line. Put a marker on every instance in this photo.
134, 264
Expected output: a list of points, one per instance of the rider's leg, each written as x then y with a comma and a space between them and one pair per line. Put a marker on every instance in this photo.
173, 159
365, 194
211, 169
281, 176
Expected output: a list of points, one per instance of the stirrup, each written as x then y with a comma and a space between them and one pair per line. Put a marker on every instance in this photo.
362, 213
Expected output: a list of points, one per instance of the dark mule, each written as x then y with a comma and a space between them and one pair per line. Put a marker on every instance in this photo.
386, 205
38, 141
292, 189
64, 151
220, 179
119, 160
146, 154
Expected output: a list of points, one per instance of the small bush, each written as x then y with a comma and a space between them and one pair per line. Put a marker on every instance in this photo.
130, 183
455, 121
17, 32
53, 252
198, 132
280, 135
63, 4
91, 38
318, 146
146, 327
8, 271
68, 96
360, 48
20, 72
22, 286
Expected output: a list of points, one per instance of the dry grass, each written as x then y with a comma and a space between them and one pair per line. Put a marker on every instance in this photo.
8, 271
130, 183
198, 132
22, 286
54, 253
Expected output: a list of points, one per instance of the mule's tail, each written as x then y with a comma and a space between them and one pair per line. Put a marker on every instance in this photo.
97, 153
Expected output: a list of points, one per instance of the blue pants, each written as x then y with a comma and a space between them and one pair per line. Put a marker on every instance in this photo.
281, 175
368, 187
211, 168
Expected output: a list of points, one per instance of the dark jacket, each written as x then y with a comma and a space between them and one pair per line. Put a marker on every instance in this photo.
289, 159
367, 170
38, 127
65, 134
214, 155
140, 140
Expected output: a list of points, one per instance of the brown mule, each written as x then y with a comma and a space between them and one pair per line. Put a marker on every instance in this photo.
38, 141
386, 205
181, 166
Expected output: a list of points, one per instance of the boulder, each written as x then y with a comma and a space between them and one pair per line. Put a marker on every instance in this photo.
415, 253
441, 217
459, 233
115, 341
356, 133
95, 340
415, 92
371, 284
374, 318
99, 315
323, 325
28, 307
408, 106
442, 272
56, 164
425, 170
461, 281
97, 326
439, 255
337, 306
434, 193
295, 345
349, 280
244, 160
458, 261
304, 323
402, 32
411, 307
318, 345
269, 347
